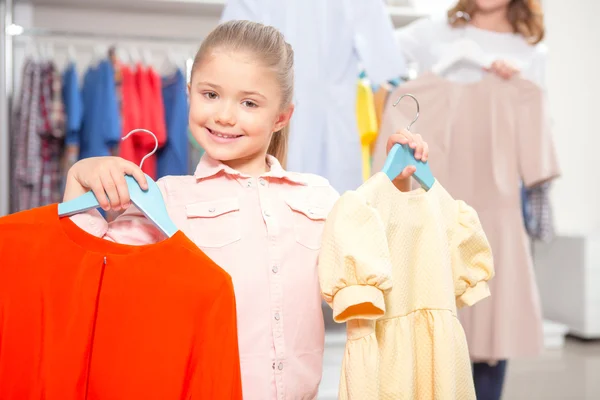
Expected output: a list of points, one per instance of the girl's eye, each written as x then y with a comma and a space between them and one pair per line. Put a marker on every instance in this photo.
249, 103
210, 95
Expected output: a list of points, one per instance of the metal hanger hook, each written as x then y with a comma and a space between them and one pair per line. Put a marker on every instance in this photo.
148, 132
418, 108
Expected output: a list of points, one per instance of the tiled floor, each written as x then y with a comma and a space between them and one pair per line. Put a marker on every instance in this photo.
571, 373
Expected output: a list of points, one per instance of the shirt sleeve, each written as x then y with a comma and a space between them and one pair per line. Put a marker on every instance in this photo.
472, 261
132, 227
374, 40
354, 262
538, 161
219, 376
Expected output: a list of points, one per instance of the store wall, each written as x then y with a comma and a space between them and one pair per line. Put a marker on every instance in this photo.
573, 39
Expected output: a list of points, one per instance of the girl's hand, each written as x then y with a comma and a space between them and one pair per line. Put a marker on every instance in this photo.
503, 69
415, 142
105, 176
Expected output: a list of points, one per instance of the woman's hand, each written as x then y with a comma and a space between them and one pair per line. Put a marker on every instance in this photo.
503, 69
105, 176
415, 142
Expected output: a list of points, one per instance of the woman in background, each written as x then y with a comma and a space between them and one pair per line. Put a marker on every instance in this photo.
509, 32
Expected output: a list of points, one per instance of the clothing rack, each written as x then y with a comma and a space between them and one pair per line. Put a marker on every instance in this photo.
8, 33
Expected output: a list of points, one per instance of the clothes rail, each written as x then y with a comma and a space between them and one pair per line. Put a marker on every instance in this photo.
40, 32
8, 33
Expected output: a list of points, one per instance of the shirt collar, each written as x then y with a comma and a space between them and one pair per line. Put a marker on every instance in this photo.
208, 167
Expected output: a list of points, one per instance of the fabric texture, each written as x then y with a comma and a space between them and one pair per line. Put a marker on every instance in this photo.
85, 318
397, 266
485, 138
266, 233
330, 39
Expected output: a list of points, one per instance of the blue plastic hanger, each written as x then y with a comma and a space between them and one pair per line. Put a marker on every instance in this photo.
149, 202
401, 156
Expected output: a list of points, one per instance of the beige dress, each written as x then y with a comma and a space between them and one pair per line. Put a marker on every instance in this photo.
396, 266
485, 137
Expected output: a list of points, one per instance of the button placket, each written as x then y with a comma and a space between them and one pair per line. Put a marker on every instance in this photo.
276, 291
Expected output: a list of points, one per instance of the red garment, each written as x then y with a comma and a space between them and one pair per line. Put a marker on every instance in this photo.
85, 318
152, 117
130, 113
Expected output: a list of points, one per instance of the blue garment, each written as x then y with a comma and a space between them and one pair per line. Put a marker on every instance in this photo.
173, 157
73, 105
101, 128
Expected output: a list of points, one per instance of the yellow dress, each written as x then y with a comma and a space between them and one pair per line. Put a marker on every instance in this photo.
396, 266
367, 123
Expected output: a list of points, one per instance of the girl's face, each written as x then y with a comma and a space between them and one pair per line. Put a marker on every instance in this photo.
235, 106
491, 5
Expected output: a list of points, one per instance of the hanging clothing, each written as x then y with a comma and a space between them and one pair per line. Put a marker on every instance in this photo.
367, 123
52, 136
24, 131
152, 118
101, 127
131, 112
484, 139
73, 104
173, 157
83, 317
38, 137
538, 212
266, 233
330, 39
395, 266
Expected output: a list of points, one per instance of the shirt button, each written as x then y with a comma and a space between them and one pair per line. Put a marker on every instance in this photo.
211, 210
262, 181
267, 214
277, 317
249, 184
275, 269
280, 366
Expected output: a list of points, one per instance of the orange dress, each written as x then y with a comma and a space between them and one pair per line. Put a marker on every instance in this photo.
85, 318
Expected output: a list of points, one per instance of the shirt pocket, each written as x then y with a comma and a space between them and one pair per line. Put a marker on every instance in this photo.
215, 223
308, 221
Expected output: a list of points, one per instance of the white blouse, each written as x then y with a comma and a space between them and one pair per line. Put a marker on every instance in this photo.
424, 42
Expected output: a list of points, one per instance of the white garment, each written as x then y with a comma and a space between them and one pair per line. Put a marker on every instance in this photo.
427, 40
330, 39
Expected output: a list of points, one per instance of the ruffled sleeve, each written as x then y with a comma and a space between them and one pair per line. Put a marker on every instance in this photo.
472, 261
354, 262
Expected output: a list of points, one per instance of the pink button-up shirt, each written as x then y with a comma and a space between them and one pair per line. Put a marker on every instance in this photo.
266, 233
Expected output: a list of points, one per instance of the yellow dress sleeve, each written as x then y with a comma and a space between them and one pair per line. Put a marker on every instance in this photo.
354, 262
472, 260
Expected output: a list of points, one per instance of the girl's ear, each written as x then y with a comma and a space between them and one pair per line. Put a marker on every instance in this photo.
189, 88
283, 119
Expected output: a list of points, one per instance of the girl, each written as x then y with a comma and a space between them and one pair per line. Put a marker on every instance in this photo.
259, 222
